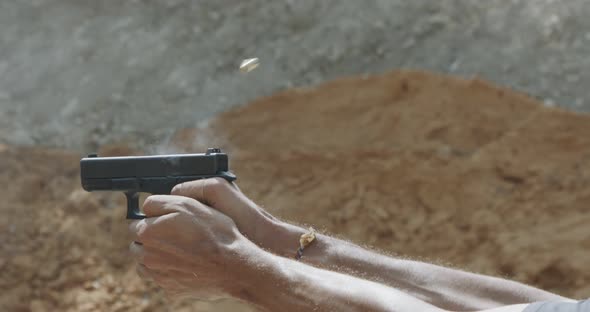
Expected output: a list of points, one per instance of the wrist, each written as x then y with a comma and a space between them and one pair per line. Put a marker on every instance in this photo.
235, 260
282, 239
255, 273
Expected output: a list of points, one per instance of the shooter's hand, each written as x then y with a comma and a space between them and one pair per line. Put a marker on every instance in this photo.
186, 247
252, 221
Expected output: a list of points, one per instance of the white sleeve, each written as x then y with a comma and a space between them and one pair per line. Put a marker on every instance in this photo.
559, 306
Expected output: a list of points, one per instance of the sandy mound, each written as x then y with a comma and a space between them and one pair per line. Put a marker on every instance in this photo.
426, 166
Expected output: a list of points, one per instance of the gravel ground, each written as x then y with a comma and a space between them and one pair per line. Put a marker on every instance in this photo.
80, 73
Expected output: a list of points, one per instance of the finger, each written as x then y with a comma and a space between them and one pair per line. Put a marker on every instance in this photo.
137, 229
159, 205
209, 191
143, 272
235, 185
137, 252
145, 230
153, 258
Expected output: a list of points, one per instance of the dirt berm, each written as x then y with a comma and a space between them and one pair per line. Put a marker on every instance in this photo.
457, 172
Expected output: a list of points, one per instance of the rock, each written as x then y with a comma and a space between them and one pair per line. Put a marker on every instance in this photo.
38, 306
49, 270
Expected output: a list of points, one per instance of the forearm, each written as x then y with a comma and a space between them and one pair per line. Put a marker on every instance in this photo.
440, 286
278, 284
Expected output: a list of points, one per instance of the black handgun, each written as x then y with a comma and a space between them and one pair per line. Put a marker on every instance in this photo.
150, 174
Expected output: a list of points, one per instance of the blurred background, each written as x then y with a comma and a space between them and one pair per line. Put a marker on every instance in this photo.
475, 113
82, 73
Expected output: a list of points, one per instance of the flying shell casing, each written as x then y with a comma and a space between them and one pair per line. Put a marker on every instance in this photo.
250, 64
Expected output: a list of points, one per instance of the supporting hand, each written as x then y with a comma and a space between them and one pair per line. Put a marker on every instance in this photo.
253, 222
186, 247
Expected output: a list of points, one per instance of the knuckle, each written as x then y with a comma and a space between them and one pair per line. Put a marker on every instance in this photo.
153, 200
186, 201
149, 202
215, 187
188, 204
143, 233
208, 188
179, 189
218, 182
169, 204
138, 229
185, 188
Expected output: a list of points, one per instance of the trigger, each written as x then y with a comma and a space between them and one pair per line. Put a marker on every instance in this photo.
133, 206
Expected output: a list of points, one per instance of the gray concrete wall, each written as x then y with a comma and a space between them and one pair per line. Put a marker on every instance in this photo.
79, 73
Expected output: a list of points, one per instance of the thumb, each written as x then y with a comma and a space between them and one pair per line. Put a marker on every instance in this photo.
159, 205
219, 194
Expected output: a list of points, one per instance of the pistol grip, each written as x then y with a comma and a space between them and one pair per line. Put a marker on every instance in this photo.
133, 211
